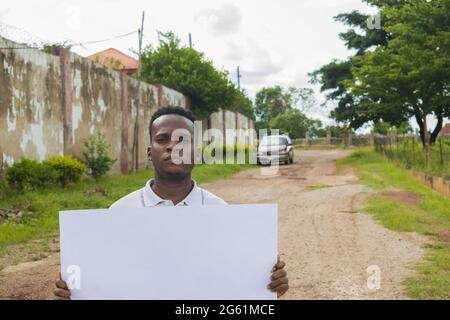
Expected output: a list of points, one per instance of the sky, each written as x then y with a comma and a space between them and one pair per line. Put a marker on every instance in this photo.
273, 42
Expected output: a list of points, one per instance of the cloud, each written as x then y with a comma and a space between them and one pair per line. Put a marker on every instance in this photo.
327, 4
260, 65
4, 12
221, 21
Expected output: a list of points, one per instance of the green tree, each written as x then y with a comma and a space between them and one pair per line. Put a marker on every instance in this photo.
400, 73
292, 122
411, 75
188, 71
296, 124
271, 102
333, 76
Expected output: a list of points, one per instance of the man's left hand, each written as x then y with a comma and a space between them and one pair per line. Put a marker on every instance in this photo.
280, 282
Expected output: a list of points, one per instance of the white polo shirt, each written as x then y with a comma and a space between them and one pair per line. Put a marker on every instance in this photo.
145, 197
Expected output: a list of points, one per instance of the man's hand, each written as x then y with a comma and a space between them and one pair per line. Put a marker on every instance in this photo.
61, 291
280, 282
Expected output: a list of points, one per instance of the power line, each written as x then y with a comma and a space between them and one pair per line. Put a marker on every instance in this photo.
104, 40
70, 46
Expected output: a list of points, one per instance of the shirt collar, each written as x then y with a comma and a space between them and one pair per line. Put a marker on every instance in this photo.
151, 199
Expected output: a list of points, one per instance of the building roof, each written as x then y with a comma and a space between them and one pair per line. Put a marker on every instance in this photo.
445, 130
115, 59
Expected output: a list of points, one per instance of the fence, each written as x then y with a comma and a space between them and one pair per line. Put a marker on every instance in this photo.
346, 140
409, 151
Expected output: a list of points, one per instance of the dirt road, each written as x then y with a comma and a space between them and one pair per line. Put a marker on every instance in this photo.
327, 245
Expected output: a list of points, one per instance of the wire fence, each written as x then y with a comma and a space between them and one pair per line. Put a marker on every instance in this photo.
409, 151
346, 140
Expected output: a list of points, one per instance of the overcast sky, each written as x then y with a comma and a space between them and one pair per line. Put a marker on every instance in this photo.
273, 42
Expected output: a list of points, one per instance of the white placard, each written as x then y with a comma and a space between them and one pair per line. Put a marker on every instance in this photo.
204, 252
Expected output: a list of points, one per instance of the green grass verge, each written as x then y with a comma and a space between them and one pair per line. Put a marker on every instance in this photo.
431, 216
44, 205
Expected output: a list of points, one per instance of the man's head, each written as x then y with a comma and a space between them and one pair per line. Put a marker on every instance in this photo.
169, 124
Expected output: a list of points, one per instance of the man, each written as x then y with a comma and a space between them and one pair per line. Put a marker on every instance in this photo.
173, 184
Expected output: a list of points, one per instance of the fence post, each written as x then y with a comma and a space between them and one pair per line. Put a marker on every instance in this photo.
441, 151
414, 148
224, 126
329, 137
67, 85
125, 107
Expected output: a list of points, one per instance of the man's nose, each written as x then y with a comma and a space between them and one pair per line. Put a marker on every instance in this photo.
171, 145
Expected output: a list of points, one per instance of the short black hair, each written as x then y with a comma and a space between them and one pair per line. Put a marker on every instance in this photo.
170, 110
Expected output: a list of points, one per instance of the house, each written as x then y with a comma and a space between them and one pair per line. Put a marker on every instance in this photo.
445, 132
115, 59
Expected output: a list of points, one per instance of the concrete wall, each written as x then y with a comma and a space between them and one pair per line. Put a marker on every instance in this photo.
229, 120
96, 105
30, 104
50, 103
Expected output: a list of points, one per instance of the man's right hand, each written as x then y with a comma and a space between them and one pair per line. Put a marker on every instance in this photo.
61, 291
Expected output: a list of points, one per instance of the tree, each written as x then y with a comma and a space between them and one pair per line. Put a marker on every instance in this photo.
398, 72
296, 124
188, 71
302, 98
270, 102
332, 77
292, 122
411, 75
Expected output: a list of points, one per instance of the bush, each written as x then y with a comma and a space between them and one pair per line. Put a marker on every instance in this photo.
3, 187
96, 156
27, 174
67, 168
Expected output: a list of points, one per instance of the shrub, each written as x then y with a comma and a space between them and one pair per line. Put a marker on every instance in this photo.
96, 156
27, 174
3, 187
67, 168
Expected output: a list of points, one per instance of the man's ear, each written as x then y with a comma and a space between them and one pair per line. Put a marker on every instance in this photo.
149, 153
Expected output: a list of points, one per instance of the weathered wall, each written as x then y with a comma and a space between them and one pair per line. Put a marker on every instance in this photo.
149, 99
230, 126
49, 104
30, 104
95, 105
229, 120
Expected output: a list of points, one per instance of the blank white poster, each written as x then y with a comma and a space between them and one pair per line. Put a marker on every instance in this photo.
157, 253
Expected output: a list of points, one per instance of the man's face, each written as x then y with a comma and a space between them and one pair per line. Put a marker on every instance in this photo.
161, 148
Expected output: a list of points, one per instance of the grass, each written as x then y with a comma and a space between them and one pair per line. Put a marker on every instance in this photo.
44, 205
430, 217
412, 156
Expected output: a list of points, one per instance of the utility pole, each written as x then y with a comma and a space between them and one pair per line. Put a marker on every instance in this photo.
239, 78
190, 40
135, 150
